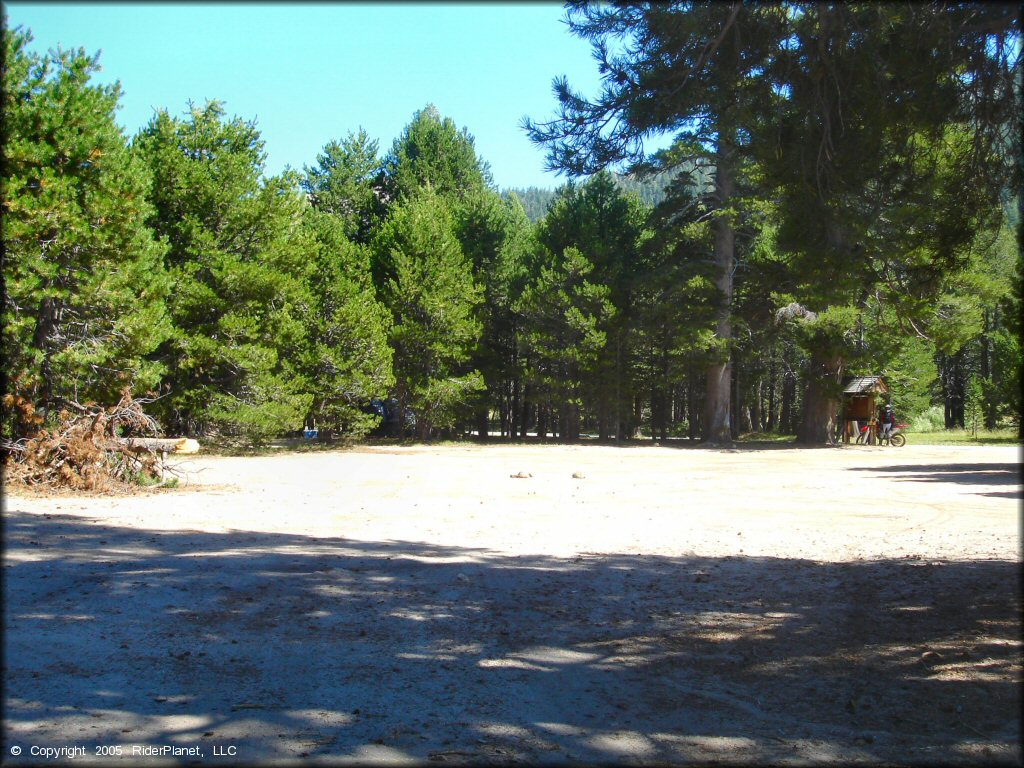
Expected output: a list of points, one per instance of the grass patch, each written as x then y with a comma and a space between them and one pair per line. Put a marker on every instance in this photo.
765, 437
232, 448
1005, 436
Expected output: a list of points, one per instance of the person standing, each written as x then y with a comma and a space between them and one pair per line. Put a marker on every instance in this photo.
888, 421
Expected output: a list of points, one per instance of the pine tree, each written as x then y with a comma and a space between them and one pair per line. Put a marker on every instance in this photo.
608, 228
346, 182
238, 261
562, 338
427, 284
891, 124
694, 71
497, 240
675, 302
432, 150
84, 284
436, 164
346, 360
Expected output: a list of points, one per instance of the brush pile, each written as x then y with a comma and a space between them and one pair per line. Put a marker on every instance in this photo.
86, 450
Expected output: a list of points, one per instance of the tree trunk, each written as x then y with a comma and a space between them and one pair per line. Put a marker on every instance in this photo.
667, 398
633, 427
821, 404
527, 411
717, 426
50, 311
603, 419
954, 388
167, 444
514, 410
691, 409
504, 408
572, 426
658, 413
987, 372
483, 426
618, 386
737, 404
755, 406
787, 425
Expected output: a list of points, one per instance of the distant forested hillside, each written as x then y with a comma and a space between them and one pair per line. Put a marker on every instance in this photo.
535, 200
651, 191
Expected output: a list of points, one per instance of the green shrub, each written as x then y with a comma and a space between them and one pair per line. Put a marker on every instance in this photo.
931, 420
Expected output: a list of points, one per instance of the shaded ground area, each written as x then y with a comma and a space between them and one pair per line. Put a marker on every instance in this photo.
969, 473
121, 629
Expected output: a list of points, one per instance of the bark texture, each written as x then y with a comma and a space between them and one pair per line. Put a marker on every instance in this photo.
718, 385
821, 403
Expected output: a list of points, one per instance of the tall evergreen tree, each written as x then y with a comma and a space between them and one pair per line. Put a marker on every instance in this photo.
676, 300
562, 337
84, 284
427, 284
890, 156
505, 282
238, 263
976, 338
608, 228
435, 163
497, 241
433, 151
346, 182
346, 359
693, 70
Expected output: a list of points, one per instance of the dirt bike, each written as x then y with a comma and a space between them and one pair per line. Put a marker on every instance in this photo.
896, 437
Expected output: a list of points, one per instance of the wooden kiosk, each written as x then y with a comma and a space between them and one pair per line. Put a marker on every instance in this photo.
860, 405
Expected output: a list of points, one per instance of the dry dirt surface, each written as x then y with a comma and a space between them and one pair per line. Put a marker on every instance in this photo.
525, 604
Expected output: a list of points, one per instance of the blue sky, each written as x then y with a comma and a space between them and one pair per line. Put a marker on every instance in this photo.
309, 73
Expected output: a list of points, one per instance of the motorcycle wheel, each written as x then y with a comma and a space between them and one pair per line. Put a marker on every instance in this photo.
898, 441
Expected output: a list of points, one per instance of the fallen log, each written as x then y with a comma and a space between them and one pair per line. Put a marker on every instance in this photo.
81, 449
162, 444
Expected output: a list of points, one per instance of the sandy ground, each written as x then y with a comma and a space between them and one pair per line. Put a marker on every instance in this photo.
619, 605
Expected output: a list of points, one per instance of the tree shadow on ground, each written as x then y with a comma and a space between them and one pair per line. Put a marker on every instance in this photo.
295, 646
964, 473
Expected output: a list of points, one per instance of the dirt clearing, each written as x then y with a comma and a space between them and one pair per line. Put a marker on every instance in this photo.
619, 605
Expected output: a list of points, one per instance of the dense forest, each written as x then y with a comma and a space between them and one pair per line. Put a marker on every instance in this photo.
651, 189
841, 197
